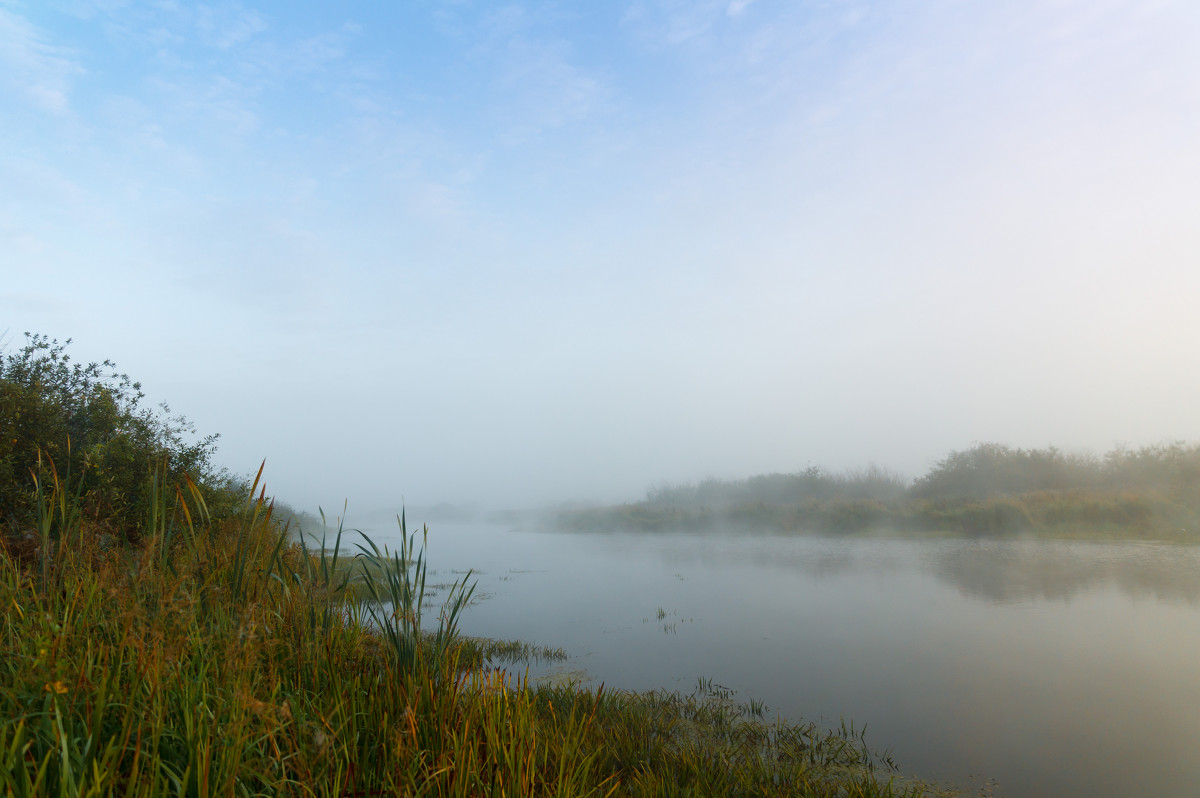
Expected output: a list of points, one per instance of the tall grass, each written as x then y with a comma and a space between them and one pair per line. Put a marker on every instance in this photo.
219, 657
396, 585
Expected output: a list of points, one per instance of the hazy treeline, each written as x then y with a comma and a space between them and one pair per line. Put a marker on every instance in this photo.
871, 482
992, 469
1151, 491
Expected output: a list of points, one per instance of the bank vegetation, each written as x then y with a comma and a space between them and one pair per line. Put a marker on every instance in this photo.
1145, 493
163, 633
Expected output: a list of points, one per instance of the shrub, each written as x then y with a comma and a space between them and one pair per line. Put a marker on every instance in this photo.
993, 469
86, 422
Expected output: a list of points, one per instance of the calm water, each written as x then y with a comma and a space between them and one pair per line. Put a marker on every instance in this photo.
1034, 669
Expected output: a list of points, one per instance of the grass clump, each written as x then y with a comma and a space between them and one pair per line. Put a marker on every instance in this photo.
162, 633
218, 658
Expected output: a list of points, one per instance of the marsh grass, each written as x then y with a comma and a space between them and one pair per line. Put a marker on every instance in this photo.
485, 652
223, 657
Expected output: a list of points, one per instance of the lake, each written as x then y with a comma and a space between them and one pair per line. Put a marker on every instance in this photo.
1005, 667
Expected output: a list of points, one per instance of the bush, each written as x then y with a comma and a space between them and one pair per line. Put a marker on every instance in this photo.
993, 469
986, 517
86, 422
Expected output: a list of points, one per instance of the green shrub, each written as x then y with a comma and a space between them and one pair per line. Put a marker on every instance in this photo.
990, 516
86, 422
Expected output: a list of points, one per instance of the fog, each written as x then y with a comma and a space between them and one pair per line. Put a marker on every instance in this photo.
537, 254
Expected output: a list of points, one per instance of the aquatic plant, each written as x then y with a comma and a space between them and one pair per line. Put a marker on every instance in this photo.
162, 633
222, 656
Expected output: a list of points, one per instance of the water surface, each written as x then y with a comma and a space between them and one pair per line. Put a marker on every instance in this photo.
1027, 668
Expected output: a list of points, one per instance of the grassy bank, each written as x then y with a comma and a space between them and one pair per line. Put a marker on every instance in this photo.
162, 633
215, 658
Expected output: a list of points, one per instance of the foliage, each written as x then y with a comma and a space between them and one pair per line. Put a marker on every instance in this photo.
989, 489
872, 482
209, 654
989, 516
88, 420
991, 469
1172, 467
216, 658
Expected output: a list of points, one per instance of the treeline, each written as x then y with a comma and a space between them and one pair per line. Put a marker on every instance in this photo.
814, 483
993, 469
1151, 491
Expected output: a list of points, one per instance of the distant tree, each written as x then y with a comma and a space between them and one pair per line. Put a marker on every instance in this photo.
873, 482
1171, 466
993, 469
812, 484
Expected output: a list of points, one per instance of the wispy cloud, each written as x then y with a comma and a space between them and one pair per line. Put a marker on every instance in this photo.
539, 88
724, 200
282, 58
534, 79
226, 26
222, 106
736, 7
671, 23
33, 182
32, 67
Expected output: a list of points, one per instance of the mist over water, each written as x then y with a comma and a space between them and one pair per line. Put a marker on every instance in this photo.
512, 256
1031, 571
1040, 668
532, 254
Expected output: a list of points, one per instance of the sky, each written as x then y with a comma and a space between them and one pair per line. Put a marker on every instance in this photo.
512, 254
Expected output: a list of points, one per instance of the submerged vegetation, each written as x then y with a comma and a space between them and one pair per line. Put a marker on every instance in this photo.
1148, 493
162, 633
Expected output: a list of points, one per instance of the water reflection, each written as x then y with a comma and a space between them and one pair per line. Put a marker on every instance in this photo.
1058, 669
1029, 571
995, 571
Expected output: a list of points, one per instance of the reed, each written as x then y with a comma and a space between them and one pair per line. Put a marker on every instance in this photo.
223, 657
162, 633
396, 583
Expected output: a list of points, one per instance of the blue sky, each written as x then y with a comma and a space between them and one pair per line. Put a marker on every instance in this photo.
528, 252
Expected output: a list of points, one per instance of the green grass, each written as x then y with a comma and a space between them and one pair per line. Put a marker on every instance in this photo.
219, 657
484, 652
